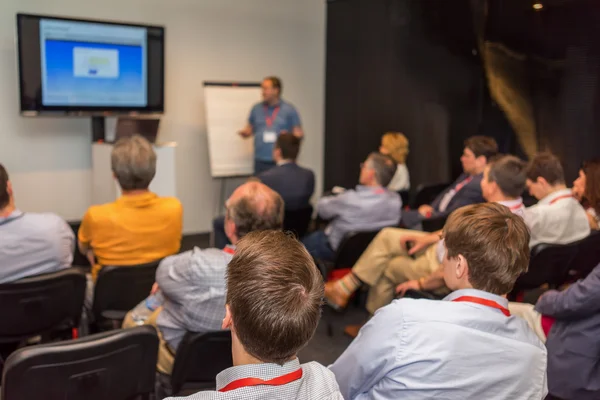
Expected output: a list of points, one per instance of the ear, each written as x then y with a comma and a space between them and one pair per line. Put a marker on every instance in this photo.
227, 321
461, 268
542, 181
9, 188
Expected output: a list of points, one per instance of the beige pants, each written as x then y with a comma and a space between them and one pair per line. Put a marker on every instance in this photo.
385, 264
532, 317
166, 356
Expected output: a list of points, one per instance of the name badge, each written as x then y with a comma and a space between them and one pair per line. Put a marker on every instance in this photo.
269, 137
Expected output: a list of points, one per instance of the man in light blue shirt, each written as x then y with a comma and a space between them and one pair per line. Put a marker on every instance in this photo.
267, 120
467, 346
30, 243
368, 207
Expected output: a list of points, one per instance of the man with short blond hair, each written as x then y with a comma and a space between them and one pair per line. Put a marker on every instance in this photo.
274, 293
467, 346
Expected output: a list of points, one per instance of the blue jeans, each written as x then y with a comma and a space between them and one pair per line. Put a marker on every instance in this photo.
318, 246
221, 239
262, 166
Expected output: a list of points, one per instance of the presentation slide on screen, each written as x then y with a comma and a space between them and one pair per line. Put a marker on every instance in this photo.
91, 64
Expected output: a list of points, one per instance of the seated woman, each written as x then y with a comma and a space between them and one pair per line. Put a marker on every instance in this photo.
586, 188
395, 145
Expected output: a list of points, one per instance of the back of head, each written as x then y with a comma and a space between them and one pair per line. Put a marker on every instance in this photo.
396, 145
254, 206
482, 146
591, 169
546, 165
289, 145
274, 293
509, 174
133, 162
4, 196
493, 240
384, 167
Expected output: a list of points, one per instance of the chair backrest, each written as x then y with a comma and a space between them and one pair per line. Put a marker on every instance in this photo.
116, 365
405, 196
200, 357
549, 264
297, 221
122, 288
351, 248
427, 193
35, 305
434, 224
588, 256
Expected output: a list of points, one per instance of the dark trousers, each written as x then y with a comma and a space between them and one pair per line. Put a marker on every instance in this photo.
220, 238
318, 246
262, 166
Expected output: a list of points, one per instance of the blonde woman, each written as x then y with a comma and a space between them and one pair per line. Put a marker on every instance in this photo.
395, 145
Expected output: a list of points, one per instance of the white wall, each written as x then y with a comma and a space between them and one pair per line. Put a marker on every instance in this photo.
49, 159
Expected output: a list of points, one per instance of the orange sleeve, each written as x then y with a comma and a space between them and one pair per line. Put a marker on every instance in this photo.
84, 235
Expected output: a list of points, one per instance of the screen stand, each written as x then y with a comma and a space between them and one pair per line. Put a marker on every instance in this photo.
98, 129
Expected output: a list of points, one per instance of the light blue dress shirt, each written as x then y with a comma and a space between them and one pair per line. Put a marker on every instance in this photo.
33, 244
425, 349
286, 118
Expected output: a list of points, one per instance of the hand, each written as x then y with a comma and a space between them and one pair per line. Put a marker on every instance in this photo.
419, 242
410, 285
426, 210
246, 132
154, 289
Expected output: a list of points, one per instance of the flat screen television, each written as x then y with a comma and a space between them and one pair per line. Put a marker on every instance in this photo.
86, 67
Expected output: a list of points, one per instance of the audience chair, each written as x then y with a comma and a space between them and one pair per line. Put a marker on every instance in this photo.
118, 290
405, 196
116, 365
41, 304
434, 224
199, 358
587, 258
420, 294
549, 265
427, 193
297, 221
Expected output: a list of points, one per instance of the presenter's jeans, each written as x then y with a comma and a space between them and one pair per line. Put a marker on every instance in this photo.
219, 237
318, 246
262, 166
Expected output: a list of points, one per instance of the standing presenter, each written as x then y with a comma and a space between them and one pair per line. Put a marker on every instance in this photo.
269, 119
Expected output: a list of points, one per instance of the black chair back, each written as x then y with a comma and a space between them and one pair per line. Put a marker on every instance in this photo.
427, 193
405, 196
297, 221
39, 304
588, 256
549, 264
119, 289
200, 357
434, 224
116, 365
421, 294
352, 247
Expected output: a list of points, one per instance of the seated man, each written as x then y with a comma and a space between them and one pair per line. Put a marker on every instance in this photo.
465, 190
139, 227
191, 285
387, 262
274, 293
30, 243
557, 218
368, 207
294, 183
467, 346
568, 322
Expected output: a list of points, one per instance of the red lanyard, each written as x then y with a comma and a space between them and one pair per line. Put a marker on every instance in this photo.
515, 207
269, 119
564, 196
228, 250
279, 381
485, 302
462, 184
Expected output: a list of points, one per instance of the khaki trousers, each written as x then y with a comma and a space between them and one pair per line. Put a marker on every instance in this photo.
532, 317
385, 264
166, 356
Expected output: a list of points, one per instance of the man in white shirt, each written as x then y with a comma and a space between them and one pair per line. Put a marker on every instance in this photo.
467, 346
557, 218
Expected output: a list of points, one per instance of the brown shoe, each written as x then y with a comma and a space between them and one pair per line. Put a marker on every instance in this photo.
352, 330
335, 295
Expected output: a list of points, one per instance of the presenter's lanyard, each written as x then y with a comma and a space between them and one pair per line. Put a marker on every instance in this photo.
484, 302
565, 196
270, 118
279, 381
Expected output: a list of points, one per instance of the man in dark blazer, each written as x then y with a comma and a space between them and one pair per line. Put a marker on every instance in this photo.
465, 190
294, 183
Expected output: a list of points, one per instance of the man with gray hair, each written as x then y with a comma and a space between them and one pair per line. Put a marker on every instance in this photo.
189, 294
370, 206
139, 227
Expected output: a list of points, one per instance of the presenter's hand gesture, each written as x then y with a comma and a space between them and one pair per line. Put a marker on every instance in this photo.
246, 132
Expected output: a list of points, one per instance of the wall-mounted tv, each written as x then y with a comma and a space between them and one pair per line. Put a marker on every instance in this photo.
85, 67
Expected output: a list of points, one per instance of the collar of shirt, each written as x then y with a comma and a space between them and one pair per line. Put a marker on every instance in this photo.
278, 104
477, 293
283, 162
374, 189
262, 371
511, 203
16, 213
137, 200
548, 199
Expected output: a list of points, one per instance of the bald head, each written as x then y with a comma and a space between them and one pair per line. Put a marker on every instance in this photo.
253, 207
